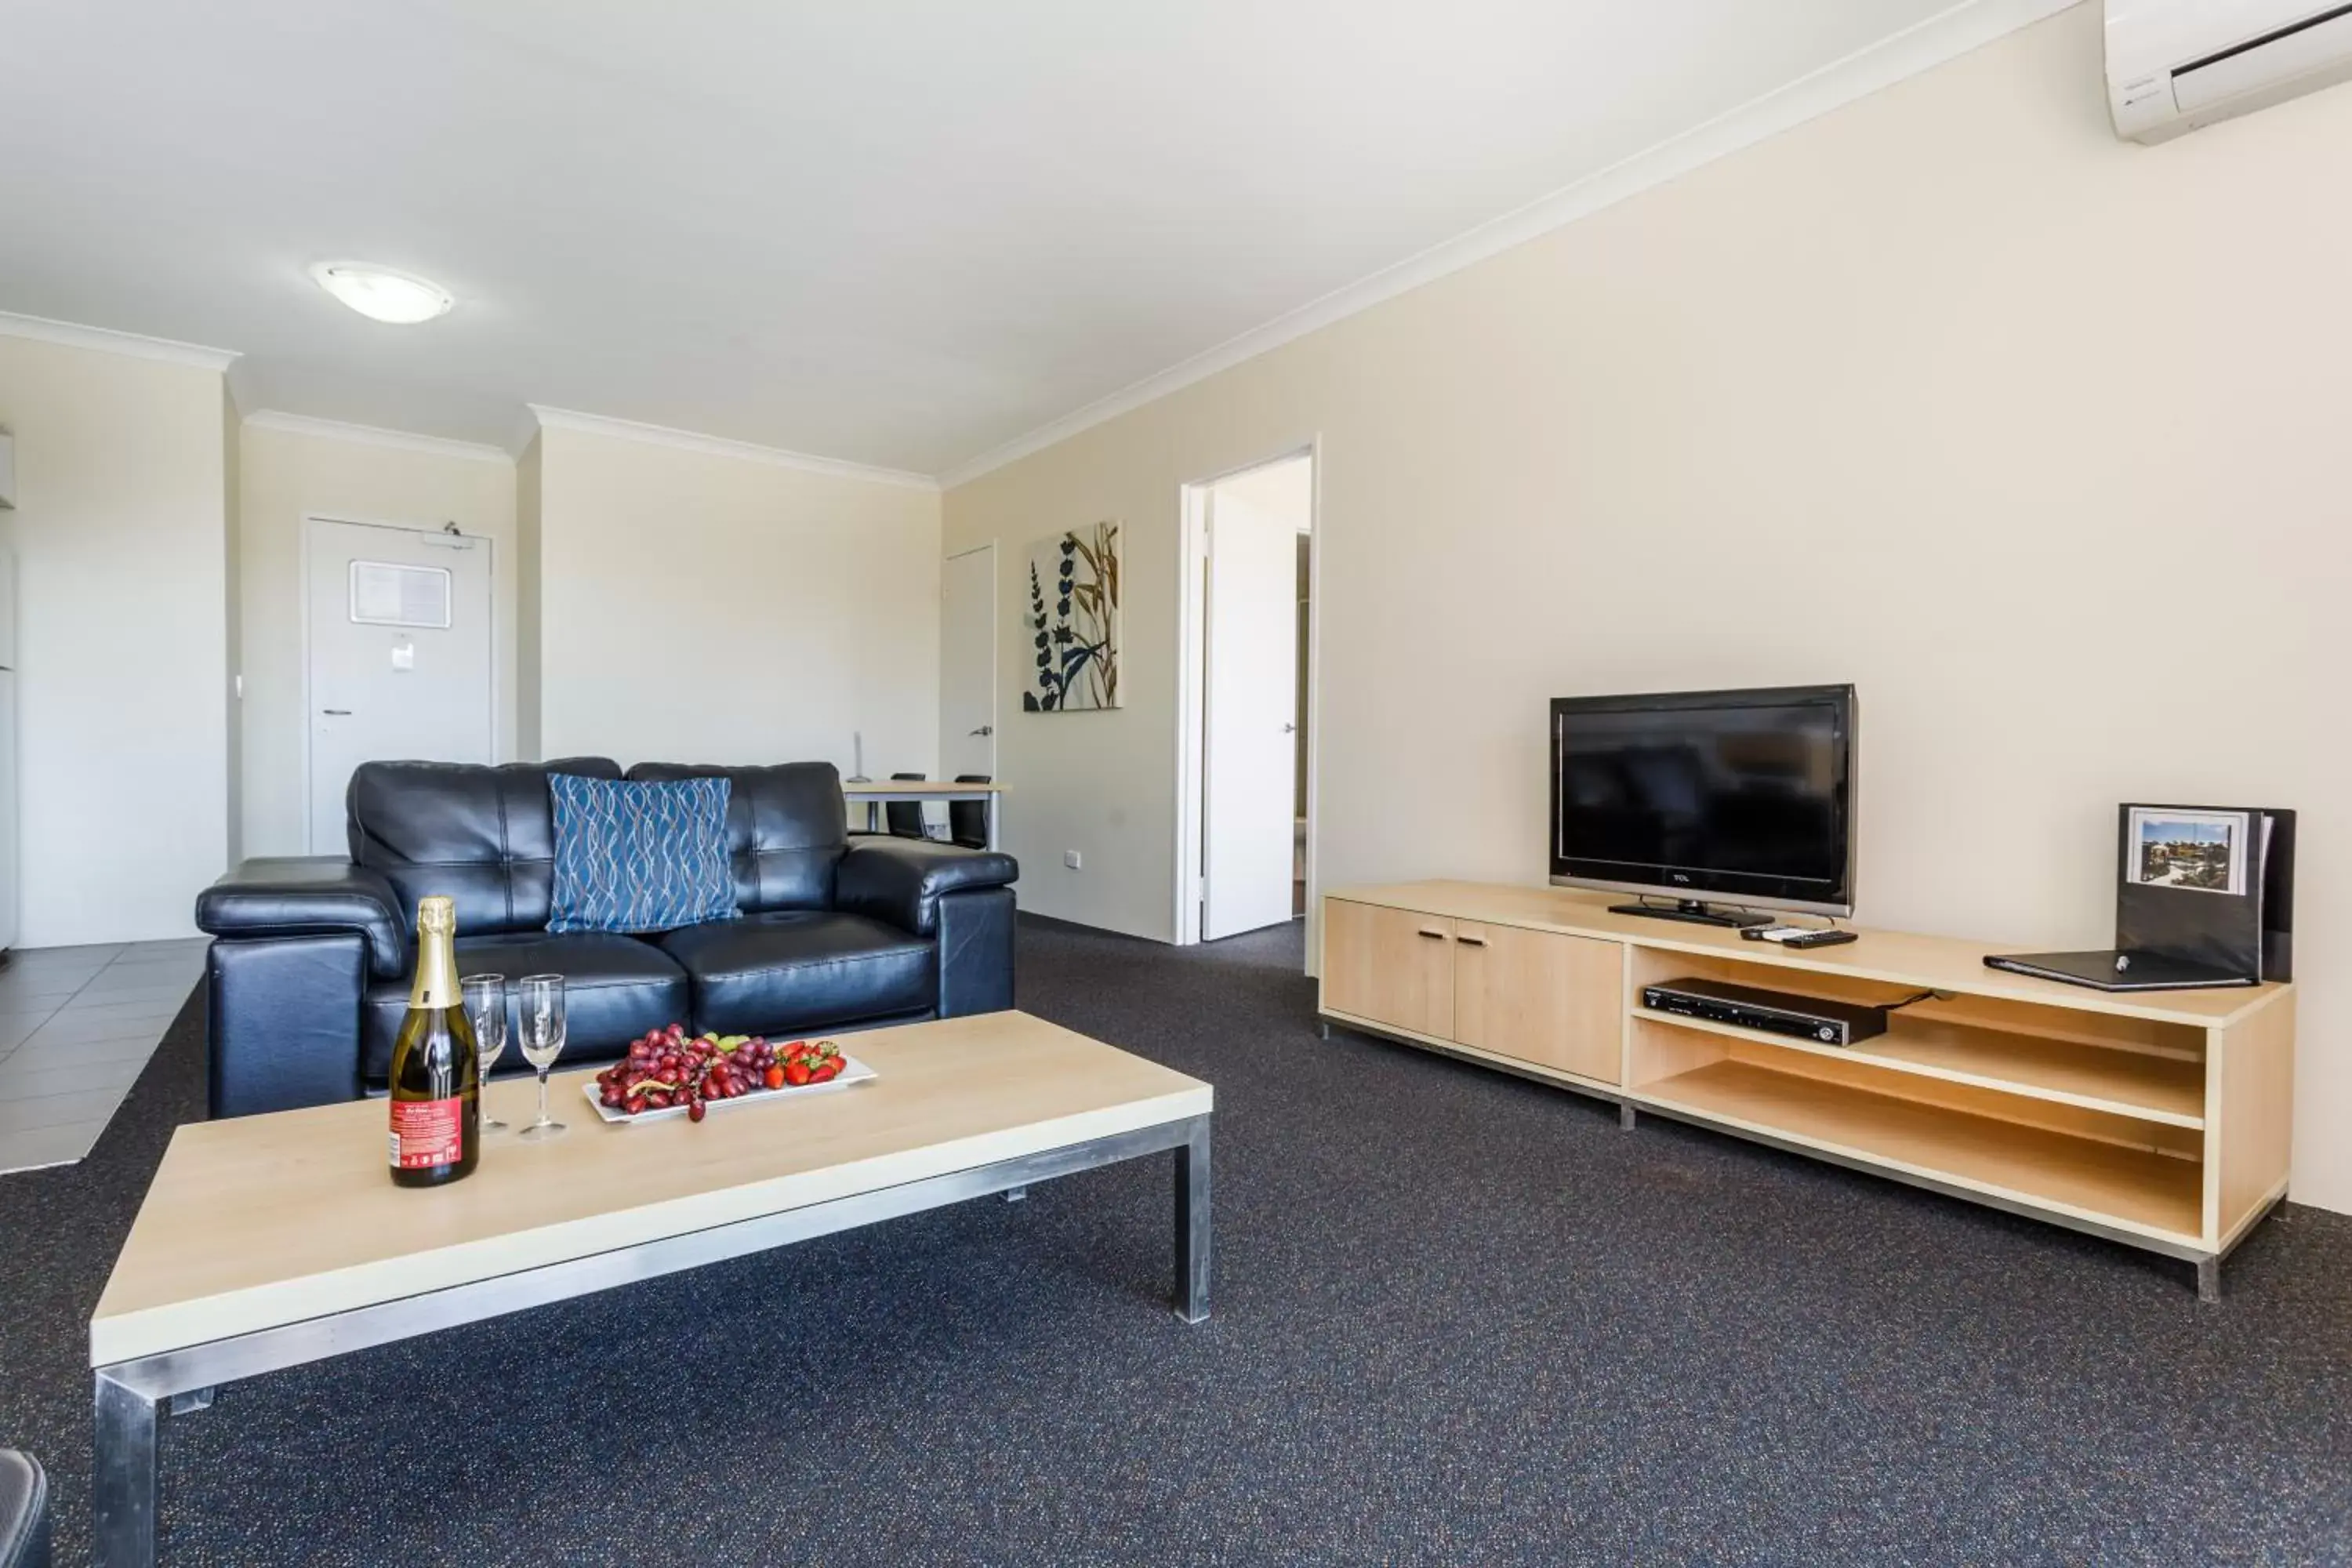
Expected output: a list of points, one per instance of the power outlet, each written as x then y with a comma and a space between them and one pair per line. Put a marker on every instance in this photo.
1071, 859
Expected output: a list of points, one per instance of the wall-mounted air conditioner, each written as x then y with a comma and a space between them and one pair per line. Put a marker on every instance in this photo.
2175, 65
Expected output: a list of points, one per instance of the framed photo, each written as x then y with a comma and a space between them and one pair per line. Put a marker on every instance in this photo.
2201, 851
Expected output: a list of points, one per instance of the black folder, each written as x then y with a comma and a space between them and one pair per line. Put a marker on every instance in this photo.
2204, 897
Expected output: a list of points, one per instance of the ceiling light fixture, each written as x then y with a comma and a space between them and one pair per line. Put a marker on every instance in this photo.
381, 294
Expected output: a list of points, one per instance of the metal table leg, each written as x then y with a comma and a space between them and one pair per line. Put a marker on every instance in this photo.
1192, 1225
124, 1482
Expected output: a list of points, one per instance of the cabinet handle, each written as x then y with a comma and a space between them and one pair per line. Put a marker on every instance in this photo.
1434, 935
1471, 940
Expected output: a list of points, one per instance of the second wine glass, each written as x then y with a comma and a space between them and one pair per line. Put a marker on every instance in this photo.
541, 1039
486, 1008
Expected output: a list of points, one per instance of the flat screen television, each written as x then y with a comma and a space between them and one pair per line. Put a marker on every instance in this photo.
1745, 796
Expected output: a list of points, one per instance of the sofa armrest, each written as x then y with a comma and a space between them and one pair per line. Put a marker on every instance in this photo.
902, 880
319, 895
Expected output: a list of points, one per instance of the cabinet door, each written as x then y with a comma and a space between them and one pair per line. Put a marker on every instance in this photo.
1538, 996
1391, 966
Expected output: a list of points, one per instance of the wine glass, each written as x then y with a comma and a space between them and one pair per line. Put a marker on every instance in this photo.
542, 1041
486, 1007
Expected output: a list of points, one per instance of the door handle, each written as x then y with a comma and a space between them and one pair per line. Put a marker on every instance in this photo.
1434, 935
1289, 728
336, 712
1471, 940
985, 729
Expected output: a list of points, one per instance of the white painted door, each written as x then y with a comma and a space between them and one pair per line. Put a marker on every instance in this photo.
1250, 718
967, 664
399, 656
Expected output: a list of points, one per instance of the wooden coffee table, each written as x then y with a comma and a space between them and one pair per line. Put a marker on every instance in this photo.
268, 1241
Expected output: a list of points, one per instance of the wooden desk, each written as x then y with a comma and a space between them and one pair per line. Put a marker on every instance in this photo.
876, 793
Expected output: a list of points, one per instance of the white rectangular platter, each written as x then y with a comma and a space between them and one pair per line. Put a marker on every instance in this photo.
852, 1072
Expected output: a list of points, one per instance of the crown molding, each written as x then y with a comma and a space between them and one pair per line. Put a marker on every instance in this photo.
376, 436
106, 341
720, 446
1947, 35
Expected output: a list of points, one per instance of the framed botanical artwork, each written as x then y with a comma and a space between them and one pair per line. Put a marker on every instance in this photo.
1073, 622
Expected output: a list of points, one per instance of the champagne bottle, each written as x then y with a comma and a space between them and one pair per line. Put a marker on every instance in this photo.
436, 1078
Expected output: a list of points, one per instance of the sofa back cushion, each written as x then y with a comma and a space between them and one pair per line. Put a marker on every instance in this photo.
484, 835
787, 828
639, 855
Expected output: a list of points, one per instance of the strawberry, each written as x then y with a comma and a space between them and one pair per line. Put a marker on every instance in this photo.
828, 1068
773, 1077
796, 1072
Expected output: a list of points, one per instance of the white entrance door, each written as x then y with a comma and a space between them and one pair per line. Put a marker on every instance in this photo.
1249, 717
967, 664
399, 624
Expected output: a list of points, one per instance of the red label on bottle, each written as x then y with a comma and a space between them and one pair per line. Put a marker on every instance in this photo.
427, 1133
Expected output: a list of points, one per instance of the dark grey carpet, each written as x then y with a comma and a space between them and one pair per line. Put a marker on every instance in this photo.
1460, 1319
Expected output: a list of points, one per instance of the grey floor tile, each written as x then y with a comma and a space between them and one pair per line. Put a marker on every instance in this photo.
137, 976
123, 1004
21, 993
138, 951
59, 1110
32, 1083
39, 1055
96, 955
82, 1026
28, 1018
31, 1150
143, 1008
14, 1032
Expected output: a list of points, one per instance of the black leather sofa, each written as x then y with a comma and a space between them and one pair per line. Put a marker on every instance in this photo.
311, 962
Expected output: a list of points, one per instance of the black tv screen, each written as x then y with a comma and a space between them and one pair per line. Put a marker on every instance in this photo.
1746, 797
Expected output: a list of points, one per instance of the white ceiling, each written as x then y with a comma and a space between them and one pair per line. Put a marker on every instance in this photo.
893, 232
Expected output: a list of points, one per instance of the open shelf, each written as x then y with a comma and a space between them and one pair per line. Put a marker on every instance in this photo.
2134, 1188
2147, 1087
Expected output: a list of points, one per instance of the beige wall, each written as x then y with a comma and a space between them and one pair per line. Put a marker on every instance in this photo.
291, 475
121, 641
697, 607
233, 611
528, 624
2036, 435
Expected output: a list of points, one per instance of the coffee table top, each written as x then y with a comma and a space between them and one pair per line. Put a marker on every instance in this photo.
261, 1221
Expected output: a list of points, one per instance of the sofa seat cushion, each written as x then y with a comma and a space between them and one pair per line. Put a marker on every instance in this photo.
615, 989
790, 970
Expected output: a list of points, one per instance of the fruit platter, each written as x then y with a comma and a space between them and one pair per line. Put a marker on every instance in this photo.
671, 1073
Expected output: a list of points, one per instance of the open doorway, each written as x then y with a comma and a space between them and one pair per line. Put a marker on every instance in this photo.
1247, 795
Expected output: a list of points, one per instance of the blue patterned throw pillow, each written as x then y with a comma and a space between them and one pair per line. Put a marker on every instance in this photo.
639, 857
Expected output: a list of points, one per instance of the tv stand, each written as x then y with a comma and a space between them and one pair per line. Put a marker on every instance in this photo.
2159, 1118
1694, 911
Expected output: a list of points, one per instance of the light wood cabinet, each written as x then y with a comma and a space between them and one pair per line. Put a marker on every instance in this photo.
2161, 1120
1392, 966
1555, 1001
1536, 996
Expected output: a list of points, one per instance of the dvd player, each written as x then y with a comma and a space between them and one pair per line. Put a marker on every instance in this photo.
1773, 1012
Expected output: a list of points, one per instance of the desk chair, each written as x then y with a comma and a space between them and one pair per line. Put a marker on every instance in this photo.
968, 819
904, 817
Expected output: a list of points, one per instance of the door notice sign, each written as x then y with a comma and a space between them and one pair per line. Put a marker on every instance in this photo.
385, 594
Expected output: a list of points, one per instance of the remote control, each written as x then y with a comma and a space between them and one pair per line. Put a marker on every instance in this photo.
1798, 936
